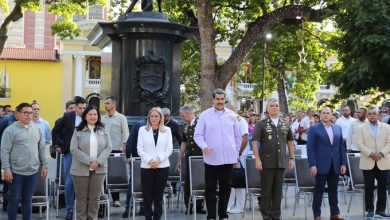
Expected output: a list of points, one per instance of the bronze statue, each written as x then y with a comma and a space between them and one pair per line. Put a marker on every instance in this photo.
146, 5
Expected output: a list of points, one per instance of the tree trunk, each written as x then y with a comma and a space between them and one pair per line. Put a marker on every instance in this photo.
282, 96
15, 15
207, 49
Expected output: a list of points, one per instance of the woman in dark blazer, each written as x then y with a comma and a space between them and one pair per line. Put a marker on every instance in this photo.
154, 146
90, 147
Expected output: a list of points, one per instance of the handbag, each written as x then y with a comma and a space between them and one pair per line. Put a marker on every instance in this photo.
238, 177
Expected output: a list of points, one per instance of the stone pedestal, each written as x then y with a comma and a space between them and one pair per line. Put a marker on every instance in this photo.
145, 60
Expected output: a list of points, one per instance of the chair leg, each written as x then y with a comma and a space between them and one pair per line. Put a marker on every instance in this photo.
108, 210
165, 208
246, 198
57, 202
194, 208
189, 205
75, 209
305, 204
133, 201
285, 195
47, 210
296, 202
253, 206
350, 201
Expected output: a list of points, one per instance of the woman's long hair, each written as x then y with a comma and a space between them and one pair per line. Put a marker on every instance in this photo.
83, 123
161, 126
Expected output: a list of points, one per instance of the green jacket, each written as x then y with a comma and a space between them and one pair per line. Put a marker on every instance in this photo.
23, 149
273, 142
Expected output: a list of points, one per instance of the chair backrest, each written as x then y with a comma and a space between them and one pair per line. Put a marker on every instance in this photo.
197, 177
118, 172
290, 174
61, 177
304, 179
298, 152
354, 170
173, 161
252, 175
41, 188
136, 185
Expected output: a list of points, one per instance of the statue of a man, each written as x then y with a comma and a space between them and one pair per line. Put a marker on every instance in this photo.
146, 5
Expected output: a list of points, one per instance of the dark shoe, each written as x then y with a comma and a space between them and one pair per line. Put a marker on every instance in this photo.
382, 214
336, 217
101, 211
370, 215
125, 214
69, 216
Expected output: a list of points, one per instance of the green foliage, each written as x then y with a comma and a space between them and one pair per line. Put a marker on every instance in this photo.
283, 62
190, 72
64, 27
364, 47
4, 6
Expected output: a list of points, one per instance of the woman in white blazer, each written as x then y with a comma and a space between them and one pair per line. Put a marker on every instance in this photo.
154, 146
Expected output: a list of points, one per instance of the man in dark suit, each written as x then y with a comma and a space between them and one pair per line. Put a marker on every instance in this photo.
328, 159
61, 136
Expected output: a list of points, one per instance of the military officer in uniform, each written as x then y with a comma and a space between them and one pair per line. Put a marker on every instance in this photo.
274, 134
189, 148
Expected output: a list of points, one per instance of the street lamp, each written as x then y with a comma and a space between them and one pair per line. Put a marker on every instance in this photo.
268, 36
182, 91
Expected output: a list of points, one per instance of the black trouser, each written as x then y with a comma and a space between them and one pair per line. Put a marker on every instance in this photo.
153, 184
369, 186
222, 174
271, 192
115, 195
187, 193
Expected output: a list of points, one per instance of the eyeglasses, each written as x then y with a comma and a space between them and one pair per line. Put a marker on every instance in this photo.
27, 113
372, 113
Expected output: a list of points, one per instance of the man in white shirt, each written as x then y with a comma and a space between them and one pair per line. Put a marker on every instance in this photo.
352, 145
345, 122
304, 126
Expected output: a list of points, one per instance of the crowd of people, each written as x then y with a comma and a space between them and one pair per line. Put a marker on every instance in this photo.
84, 140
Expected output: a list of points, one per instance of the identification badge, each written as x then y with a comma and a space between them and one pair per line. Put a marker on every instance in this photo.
269, 137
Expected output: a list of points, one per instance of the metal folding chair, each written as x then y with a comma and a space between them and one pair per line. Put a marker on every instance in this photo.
197, 181
253, 183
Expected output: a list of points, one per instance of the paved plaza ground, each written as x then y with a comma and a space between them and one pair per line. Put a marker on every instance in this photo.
177, 214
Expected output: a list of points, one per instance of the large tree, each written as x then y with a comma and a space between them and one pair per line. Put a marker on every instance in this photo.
64, 27
363, 49
242, 24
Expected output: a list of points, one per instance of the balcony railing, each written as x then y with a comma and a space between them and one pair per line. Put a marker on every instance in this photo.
246, 87
92, 83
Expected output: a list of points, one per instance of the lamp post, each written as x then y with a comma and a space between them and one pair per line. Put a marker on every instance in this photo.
182, 91
268, 36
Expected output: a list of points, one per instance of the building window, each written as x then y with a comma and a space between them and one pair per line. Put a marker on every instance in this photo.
93, 65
